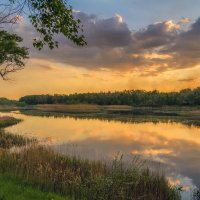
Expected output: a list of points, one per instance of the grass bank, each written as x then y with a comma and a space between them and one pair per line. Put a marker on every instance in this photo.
13, 189
99, 110
42, 168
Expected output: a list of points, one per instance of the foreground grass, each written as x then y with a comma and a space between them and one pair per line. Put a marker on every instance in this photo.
83, 179
11, 188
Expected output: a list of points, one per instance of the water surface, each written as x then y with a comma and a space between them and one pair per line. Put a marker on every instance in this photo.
171, 146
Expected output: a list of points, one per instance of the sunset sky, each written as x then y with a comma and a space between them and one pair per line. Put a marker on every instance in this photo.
132, 44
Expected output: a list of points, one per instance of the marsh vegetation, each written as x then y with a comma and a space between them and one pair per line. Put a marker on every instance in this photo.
84, 179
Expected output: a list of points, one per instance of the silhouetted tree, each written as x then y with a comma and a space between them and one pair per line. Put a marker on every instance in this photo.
48, 17
11, 54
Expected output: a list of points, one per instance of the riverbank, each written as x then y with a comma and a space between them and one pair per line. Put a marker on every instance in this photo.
106, 109
40, 168
6, 121
83, 179
189, 116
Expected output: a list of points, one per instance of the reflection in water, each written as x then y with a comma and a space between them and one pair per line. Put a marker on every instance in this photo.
174, 145
189, 120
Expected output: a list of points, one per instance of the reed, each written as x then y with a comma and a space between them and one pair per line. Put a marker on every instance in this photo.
83, 179
8, 140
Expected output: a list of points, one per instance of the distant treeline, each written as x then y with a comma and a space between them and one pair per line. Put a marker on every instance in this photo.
129, 97
5, 101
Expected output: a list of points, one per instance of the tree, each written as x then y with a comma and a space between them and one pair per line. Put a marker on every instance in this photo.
11, 54
48, 17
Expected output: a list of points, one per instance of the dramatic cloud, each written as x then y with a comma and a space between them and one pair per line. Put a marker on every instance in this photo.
156, 35
110, 32
158, 48
186, 48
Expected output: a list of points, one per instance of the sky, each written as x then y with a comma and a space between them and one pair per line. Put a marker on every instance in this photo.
132, 44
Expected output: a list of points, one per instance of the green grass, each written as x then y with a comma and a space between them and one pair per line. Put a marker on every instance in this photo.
13, 189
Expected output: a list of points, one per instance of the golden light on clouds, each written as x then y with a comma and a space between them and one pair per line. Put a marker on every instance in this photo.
119, 18
171, 25
156, 56
152, 56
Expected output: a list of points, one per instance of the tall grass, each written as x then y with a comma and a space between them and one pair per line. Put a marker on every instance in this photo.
8, 140
84, 179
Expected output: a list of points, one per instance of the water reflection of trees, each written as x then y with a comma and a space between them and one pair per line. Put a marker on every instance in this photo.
123, 118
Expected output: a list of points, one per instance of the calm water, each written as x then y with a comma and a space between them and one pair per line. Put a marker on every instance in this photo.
173, 148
